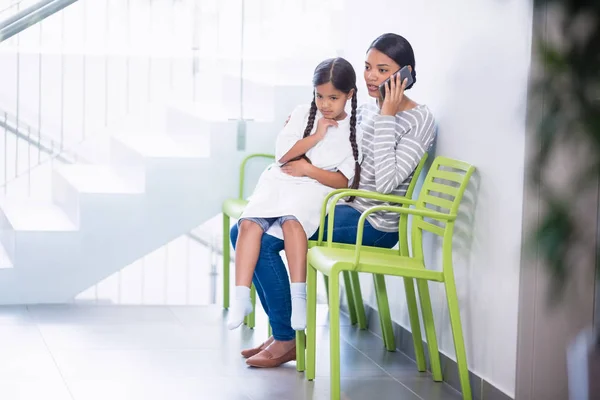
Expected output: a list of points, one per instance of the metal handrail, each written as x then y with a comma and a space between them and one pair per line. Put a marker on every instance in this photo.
31, 16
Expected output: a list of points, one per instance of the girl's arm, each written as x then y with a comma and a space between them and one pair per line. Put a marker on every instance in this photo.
299, 148
301, 167
336, 180
290, 142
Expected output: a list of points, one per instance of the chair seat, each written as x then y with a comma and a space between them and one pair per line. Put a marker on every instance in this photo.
234, 207
326, 259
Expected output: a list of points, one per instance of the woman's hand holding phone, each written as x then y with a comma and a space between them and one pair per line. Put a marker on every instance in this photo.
394, 94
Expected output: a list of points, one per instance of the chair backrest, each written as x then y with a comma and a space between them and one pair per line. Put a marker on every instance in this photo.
415, 178
442, 191
403, 241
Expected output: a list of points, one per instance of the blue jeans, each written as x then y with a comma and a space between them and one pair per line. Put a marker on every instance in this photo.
271, 277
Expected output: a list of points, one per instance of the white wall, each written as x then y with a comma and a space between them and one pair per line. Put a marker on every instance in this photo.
472, 63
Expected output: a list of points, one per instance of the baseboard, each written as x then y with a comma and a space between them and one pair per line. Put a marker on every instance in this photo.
482, 389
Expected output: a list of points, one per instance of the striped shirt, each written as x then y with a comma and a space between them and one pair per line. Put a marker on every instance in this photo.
392, 147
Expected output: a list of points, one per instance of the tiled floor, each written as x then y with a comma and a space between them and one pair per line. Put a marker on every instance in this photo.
178, 353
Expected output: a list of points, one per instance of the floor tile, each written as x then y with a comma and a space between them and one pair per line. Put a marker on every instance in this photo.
33, 389
14, 315
358, 388
104, 315
164, 389
427, 389
121, 336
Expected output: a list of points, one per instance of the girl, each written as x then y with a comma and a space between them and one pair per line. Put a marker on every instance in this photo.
286, 202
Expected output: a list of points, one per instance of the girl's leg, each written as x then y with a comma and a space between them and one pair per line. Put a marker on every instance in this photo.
273, 288
247, 250
296, 247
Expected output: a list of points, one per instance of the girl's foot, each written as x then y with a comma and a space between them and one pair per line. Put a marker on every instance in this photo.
240, 307
299, 306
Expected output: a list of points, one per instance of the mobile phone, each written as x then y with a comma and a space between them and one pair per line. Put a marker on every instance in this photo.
404, 74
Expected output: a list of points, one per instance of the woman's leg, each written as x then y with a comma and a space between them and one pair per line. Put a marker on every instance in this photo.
345, 225
247, 249
272, 276
296, 247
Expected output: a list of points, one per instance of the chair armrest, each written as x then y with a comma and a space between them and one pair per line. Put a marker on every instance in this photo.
400, 210
340, 193
243, 169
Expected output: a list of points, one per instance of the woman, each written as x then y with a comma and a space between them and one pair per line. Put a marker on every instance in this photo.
397, 132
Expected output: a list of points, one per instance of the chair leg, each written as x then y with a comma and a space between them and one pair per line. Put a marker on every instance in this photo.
415, 326
311, 322
250, 319
300, 351
334, 334
326, 281
350, 297
429, 324
457, 334
358, 301
226, 260
384, 312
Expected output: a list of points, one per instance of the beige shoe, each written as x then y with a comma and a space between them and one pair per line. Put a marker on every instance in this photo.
265, 359
247, 353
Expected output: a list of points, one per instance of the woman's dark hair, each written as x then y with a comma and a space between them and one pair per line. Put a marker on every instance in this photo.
341, 74
398, 49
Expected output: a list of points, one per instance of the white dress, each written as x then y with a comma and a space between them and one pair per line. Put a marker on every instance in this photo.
278, 194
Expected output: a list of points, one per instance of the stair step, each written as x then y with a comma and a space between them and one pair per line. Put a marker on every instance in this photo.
163, 146
5, 262
33, 215
98, 179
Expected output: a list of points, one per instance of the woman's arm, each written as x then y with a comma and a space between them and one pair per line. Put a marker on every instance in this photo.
394, 163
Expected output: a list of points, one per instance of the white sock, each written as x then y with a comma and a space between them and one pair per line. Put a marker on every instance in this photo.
299, 306
240, 307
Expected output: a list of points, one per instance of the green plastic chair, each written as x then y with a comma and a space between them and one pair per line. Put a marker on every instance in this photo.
233, 208
352, 282
441, 181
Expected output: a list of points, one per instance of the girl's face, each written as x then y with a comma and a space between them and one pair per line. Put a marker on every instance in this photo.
330, 101
378, 67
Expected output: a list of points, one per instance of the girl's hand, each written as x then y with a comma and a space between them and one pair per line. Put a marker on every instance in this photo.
297, 168
394, 94
322, 125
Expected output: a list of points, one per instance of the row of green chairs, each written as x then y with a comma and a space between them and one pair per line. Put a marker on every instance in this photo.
233, 208
443, 188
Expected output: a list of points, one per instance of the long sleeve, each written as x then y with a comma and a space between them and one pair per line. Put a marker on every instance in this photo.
292, 131
395, 160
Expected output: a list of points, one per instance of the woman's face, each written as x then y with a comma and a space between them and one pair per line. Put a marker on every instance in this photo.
378, 67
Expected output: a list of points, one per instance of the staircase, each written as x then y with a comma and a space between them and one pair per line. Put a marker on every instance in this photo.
166, 174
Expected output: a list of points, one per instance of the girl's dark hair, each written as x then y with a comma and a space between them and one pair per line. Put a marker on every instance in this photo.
341, 74
398, 49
